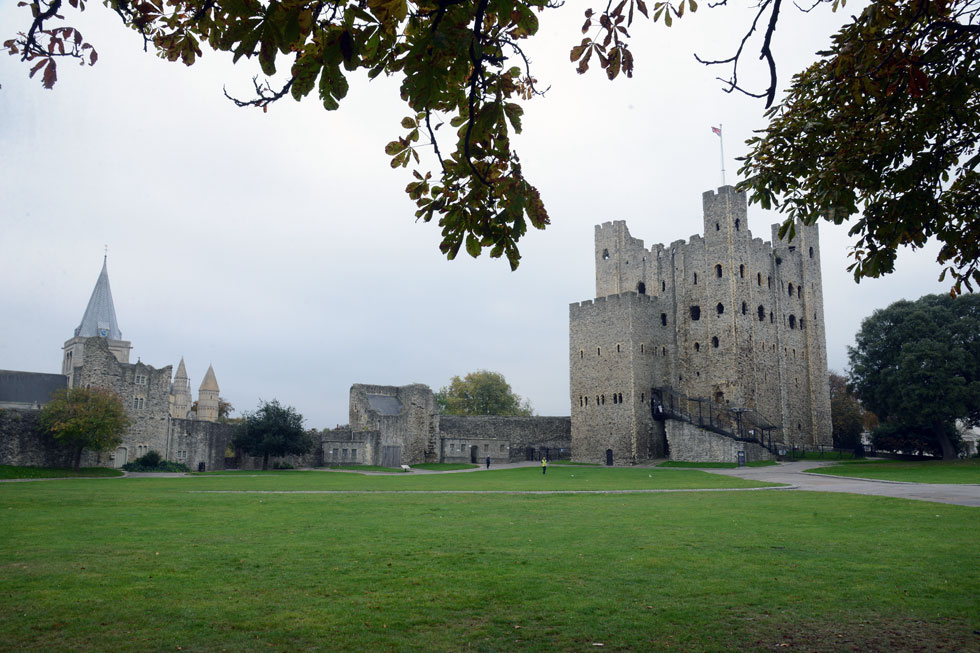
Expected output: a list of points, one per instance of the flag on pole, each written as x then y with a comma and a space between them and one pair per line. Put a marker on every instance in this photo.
717, 131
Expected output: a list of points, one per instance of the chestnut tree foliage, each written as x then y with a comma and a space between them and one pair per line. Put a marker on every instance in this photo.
882, 130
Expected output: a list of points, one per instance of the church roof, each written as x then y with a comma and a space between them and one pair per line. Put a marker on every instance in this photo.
100, 314
209, 382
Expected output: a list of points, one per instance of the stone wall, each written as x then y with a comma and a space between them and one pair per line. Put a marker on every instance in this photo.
516, 434
23, 443
723, 316
194, 441
690, 443
405, 416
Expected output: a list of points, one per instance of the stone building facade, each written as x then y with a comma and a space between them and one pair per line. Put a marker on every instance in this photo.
723, 316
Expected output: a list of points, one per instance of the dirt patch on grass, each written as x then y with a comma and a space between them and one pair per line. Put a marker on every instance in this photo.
877, 635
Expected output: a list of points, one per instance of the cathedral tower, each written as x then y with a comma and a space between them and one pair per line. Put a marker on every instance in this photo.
180, 393
207, 397
99, 320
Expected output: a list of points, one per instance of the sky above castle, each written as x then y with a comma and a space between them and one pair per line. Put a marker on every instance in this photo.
281, 248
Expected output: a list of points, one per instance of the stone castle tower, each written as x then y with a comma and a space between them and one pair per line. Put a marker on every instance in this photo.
724, 317
207, 397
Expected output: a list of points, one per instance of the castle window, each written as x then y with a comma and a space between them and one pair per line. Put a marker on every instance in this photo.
762, 313
598, 351
614, 398
697, 346
641, 348
663, 351
581, 353
580, 402
790, 290
718, 270
745, 308
641, 288
772, 319
605, 255
714, 342
353, 454
717, 227
801, 324
720, 308
620, 397
586, 401
769, 282
599, 403
738, 223
642, 398
695, 313
794, 353
663, 286
792, 321
663, 319
741, 271
617, 349
811, 252
792, 248
758, 278
799, 290
695, 278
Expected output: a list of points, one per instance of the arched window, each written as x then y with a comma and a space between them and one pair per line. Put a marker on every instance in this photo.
738, 224
745, 308
717, 227
695, 278
801, 324
641, 288
811, 252
799, 291
663, 319
663, 286
605, 255
720, 308
792, 321
762, 313
614, 398
617, 348
741, 271
598, 351
718, 270
695, 313
620, 397
759, 278
772, 319
714, 342
790, 290
697, 346
769, 282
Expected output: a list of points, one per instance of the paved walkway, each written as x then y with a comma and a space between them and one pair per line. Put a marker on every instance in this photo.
795, 474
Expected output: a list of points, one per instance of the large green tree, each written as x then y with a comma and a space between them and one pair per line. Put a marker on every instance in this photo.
883, 126
916, 365
85, 418
481, 393
272, 430
846, 414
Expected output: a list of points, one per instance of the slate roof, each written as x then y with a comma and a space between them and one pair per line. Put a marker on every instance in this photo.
29, 387
385, 404
100, 314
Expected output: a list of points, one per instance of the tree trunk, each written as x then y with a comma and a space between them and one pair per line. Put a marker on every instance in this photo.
949, 451
78, 457
265, 461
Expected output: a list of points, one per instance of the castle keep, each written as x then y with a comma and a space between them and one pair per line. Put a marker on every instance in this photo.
723, 322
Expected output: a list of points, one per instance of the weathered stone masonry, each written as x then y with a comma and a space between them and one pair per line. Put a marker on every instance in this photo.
723, 316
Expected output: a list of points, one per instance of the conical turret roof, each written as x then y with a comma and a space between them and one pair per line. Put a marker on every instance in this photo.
181, 370
209, 382
100, 314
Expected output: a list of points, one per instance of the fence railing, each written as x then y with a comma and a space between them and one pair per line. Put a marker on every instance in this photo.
739, 423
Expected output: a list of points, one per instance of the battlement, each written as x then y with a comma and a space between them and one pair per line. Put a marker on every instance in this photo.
613, 301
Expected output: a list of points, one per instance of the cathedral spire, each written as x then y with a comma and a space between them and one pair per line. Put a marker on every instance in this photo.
100, 314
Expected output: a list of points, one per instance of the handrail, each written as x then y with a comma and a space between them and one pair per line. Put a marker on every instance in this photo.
742, 424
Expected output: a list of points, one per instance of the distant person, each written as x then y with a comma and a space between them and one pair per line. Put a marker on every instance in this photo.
488, 462
544, 466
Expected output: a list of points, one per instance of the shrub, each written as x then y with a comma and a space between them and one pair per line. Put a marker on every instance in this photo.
152, 461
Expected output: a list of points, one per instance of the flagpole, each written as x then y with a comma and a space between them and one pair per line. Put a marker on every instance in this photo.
721, 143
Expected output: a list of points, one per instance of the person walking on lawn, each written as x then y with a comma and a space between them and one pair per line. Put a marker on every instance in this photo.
544, 466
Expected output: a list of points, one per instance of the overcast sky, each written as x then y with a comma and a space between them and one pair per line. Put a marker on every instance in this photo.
281, 248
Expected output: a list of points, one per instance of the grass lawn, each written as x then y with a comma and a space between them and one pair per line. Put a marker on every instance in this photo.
925, 471
12, 471
154, 564
444, 467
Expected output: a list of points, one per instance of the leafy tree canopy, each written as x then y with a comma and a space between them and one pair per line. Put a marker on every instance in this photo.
272, 430
85, 418
916, 365
481, 393
884, 124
